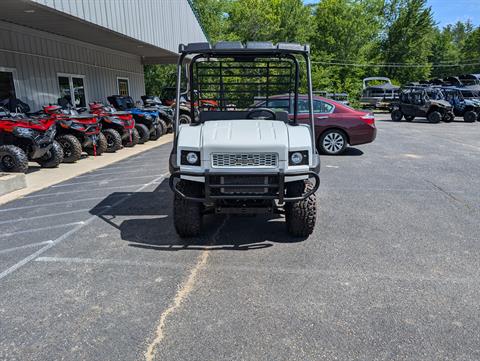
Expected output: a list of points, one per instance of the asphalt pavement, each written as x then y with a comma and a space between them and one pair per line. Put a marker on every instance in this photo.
91, 268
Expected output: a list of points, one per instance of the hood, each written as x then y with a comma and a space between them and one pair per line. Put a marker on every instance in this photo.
441, 103
244, 135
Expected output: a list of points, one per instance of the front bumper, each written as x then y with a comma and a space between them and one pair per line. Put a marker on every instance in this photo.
217, 189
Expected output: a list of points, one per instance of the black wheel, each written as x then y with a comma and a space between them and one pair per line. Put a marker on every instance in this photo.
184, 118
132, 140
72, 149
332, 142
53, 157
187, 215
13, 159
409, 118
470, 116
434, 117
114, 140
448, 117
100, 148
300, 216
397, 115
143, 133
159, 131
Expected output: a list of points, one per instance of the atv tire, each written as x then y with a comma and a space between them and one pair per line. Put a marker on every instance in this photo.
434, 117
53, 158
409, 118
300, 216
101, 146
187, 215
470, 116
143, 133
159, 131
135, 138
114, 140
397, 115
13, 159
72, 149
184, 118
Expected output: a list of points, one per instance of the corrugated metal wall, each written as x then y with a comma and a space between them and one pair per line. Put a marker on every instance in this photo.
158, 22
38, 57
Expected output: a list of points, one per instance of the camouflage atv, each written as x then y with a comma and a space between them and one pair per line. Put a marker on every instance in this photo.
417, 102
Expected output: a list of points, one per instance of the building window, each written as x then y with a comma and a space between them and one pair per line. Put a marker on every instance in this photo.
7, 86
73, 84
123, 88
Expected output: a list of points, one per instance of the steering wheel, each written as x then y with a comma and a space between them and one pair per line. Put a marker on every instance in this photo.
271, 113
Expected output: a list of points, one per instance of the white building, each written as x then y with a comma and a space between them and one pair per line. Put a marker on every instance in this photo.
88, 48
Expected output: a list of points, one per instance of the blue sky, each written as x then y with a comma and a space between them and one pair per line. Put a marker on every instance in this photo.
450, 11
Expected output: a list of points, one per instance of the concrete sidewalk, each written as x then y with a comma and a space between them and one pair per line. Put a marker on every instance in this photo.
39, 178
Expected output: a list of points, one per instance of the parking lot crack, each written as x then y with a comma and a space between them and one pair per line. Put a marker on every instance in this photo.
182, 294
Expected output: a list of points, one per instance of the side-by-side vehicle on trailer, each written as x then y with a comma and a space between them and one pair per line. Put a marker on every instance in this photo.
243, 159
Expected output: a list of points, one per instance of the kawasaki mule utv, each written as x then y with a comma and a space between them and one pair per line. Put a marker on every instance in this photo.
238, 158
416, 102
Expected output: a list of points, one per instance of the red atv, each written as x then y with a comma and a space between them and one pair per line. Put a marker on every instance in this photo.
24, 139
77, 132
118, 127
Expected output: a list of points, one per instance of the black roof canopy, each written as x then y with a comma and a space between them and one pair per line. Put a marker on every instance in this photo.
225, 48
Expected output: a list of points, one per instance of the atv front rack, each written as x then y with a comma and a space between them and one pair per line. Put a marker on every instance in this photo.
212, 186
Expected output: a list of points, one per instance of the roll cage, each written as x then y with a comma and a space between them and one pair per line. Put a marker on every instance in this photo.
235, 75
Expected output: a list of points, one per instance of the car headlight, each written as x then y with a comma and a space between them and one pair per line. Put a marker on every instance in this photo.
298, 157
24, 132
189, 157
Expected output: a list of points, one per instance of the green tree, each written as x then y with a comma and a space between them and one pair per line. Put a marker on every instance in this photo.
471, 52
408, 38
269, 20
346, 31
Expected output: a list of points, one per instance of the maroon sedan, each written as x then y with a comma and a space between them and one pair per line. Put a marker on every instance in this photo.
336, 124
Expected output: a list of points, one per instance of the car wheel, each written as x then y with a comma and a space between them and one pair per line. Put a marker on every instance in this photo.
13, 159
470, 116
434, 117
187, 215
114, 140
53, 157
300, 216
397, 115
409, 118
72, 149
333, 142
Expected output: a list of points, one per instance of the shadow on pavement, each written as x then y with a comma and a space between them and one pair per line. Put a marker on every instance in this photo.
145, 219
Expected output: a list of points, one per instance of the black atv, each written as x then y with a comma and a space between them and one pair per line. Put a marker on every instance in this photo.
165, 112
415, 102
24, 139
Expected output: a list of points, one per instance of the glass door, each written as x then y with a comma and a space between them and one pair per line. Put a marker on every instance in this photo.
72, 90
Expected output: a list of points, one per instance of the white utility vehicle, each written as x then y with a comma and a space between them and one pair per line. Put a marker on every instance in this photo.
236, 157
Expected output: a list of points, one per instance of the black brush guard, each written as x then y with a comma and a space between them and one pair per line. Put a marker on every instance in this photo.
211, 184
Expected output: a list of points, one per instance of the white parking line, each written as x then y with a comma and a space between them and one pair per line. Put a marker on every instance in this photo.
30, 245
106, 181
5, 235
70, 260
48, 215
54, 203
81, 191
72, 231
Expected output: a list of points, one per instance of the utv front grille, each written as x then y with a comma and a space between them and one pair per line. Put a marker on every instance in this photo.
234, 160
242, 184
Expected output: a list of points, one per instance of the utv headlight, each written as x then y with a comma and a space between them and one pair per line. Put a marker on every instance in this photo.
189, 157
148, 117
298, 158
